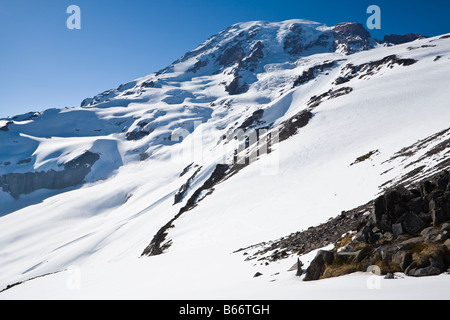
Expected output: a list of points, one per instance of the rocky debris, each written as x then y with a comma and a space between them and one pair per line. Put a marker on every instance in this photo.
400, 39
312, 73
313, 238
159, 243
365, 157
407, 231
73, 174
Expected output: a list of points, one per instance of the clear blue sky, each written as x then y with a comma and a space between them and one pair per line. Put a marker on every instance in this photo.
43, 64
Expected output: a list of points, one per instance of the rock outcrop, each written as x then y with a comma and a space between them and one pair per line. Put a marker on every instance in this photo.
408, 230
400, 39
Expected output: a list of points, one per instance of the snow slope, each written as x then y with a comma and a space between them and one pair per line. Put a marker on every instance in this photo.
154, 133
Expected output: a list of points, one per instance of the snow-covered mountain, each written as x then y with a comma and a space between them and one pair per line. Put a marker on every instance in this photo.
148, 190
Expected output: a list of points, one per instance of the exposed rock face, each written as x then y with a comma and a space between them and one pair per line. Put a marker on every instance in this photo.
407, 231
73, 174
178, 197
159, 242
352, 37
312, 72
399, 39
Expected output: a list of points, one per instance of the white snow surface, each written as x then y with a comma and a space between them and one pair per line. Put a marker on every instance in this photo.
86, 242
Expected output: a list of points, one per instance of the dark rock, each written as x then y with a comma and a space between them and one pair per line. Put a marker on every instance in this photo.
290, 127
178, 197
435, 268
137, 135
442, 236
426, 188
399, 39
198, 65
440, 207
362, 254
299, 268
258, 274
442, 181
369, 236
351, 36
255, 117
86, 102
416, 205
5, 127
402, 258
235, 87
312, 73
159, 243
397, 229
445, 226
148, 84
231, 55
389, 275
438, 216
410, 242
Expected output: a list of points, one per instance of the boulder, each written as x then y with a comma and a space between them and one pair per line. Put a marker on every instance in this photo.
435, 268
411, 223
430, 233
389, 275
397, 229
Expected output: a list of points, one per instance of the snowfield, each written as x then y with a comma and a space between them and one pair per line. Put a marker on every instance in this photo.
85, 241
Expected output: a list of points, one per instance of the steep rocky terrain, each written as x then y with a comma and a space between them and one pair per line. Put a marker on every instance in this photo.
264, 130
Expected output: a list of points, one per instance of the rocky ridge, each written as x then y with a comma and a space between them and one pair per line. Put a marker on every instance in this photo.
407, 230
